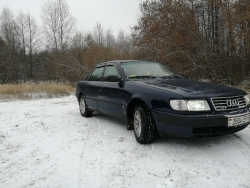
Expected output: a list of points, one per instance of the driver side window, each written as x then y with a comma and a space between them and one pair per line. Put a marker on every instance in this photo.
110, 71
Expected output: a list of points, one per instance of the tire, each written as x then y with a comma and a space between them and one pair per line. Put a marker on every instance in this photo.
144, 126
84, 108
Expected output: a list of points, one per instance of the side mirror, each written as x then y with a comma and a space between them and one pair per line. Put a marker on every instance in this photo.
113, 78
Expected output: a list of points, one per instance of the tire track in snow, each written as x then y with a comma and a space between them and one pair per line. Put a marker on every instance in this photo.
128, 152
127, 169
91, 128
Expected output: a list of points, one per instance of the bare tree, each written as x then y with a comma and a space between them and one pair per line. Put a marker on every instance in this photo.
28, 33
98, 34
21, 30
109, 39
8, 26
59, 24
124, 45
10, 38
33, 41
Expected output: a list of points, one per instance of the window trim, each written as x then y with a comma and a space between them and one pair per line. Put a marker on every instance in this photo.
90, 74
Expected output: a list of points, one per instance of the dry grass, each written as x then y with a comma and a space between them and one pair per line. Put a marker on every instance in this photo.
33, 90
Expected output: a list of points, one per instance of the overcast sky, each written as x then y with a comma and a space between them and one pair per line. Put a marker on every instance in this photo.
114, 14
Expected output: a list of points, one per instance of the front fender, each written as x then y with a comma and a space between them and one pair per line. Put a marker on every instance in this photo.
154, 98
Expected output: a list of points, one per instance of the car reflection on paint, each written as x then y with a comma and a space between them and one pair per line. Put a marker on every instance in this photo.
154, 99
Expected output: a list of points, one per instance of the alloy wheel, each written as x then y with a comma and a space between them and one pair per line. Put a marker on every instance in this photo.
137, 123
82, 105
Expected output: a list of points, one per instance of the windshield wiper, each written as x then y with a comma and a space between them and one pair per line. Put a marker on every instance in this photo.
143, 76
172, 76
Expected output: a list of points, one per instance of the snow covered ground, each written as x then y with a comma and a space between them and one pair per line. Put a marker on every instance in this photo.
47, 143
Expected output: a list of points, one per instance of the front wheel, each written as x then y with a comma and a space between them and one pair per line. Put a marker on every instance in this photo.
144, 127
85, 112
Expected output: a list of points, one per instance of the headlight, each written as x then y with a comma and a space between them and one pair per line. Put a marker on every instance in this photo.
190, 105
180, 105
247, 100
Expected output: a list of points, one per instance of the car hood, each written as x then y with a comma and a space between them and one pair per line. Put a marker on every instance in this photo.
191, 88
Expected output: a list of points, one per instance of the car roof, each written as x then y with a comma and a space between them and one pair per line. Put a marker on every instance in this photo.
115, 62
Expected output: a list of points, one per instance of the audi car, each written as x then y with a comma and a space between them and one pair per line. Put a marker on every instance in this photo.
155, 100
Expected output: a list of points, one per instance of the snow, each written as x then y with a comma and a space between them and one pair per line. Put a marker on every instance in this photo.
47, 143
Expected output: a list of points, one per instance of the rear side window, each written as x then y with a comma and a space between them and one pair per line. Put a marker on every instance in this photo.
110, 71
96, 74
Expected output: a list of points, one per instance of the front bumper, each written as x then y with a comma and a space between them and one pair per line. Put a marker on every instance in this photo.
205, 125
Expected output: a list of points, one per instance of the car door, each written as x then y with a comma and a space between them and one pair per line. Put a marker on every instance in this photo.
93, 87
110, 95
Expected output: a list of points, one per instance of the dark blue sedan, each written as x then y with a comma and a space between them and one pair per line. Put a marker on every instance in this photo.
152, 99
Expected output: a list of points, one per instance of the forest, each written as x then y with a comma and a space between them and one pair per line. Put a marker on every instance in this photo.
202, 39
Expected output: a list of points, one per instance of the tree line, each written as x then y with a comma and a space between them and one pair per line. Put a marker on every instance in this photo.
203, 39
56, 50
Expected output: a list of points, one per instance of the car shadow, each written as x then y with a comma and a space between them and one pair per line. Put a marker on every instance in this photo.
225, 140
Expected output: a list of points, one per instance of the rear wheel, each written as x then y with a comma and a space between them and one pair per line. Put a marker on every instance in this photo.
144, 127
85, 112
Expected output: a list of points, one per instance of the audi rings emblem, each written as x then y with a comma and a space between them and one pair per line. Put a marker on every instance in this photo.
232, 103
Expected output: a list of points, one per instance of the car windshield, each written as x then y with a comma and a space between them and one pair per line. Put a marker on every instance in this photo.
145, 69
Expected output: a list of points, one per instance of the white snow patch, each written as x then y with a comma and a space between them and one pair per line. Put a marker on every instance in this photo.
47, 143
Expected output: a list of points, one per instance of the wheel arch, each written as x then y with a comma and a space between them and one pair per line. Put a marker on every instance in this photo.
150, 134
79, 96
131, 106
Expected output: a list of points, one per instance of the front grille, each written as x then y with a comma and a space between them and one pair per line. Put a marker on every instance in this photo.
228, 103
